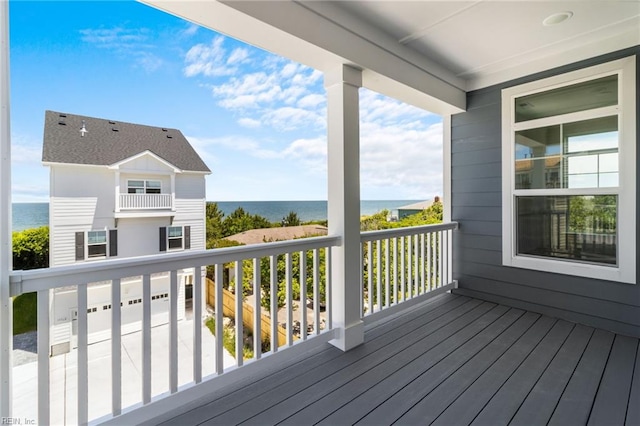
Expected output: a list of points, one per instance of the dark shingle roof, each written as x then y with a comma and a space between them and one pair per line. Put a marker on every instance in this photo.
107, 142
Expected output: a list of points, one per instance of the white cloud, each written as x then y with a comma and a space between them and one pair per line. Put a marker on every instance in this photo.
249, 123
208, 60
311, 101
238, 56
26, 154
289, 118
130, 43
191, 30
267, 90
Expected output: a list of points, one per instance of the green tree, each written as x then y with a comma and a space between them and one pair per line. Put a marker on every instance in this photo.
240, 221
376, 221
213, 219
291, 219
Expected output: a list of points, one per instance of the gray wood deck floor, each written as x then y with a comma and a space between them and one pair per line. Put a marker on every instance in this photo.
453, 361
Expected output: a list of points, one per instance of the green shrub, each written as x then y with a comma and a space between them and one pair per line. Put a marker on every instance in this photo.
25, 313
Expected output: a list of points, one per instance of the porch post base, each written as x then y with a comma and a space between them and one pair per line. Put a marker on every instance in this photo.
349, 337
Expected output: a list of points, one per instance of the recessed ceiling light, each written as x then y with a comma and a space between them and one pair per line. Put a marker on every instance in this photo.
556, 18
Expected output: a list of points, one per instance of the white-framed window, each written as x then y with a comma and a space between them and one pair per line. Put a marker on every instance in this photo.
96, 244
568, 173
175, 238
143, 186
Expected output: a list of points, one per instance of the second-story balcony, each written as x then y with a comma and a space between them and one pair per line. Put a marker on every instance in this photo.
137, 203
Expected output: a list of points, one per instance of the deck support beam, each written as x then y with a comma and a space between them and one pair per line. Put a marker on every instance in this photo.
343, 140
6, 308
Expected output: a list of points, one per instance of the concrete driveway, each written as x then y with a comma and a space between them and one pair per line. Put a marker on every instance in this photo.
63, 369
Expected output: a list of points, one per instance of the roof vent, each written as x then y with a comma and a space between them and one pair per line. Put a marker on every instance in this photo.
84, 130
62, 123
63, 115
169, 137
164, 130
112, 122
115, 129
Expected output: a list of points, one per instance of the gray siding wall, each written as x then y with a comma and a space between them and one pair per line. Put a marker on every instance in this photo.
476, 205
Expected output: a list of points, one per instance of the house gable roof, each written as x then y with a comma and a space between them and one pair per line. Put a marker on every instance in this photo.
107, 142
148, 154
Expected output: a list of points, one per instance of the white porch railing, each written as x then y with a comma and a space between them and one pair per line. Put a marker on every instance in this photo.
400, 267
145, 201
405, 264
290, 265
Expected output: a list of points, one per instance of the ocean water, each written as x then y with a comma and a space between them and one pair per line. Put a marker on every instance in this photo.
33, 215
29, 215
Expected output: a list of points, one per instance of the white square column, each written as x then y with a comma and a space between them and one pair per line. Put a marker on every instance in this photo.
343, 136
6, 250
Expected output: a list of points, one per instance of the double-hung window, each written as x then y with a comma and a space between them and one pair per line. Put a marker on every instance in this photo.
96, 244
174, 238
144, 186
569, 164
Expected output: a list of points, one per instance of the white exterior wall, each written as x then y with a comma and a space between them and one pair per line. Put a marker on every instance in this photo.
83, 199
190, 207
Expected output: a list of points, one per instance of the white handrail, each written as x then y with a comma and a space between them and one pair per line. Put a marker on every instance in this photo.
109, 269
403, 232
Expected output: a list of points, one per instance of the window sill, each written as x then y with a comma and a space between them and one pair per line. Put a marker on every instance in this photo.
579, 269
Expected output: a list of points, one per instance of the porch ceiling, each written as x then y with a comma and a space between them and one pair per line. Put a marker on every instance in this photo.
427, 53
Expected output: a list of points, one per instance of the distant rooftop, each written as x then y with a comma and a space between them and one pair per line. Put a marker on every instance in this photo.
258, 236
77, 139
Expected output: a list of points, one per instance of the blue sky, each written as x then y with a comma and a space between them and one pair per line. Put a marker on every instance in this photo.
258, 120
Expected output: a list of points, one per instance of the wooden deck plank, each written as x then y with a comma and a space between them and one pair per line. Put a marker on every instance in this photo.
379, 336
577, 399
445, 300
341, 391
504, 404
610, 405
230, 397
538, 407
452, 360
423, 382
392, 343
528, 329
633, 409
471, 401
351, 411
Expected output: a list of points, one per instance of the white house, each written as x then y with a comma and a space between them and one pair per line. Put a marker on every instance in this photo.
119, 190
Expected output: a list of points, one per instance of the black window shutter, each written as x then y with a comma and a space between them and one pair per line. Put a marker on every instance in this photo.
113, 242
79, 245
187, 237
163, 239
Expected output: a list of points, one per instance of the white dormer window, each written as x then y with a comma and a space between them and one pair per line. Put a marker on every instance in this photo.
144, 186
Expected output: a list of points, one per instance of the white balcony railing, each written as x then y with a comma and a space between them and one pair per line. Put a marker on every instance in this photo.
400, 267
145, 201
287, 264
404, 264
